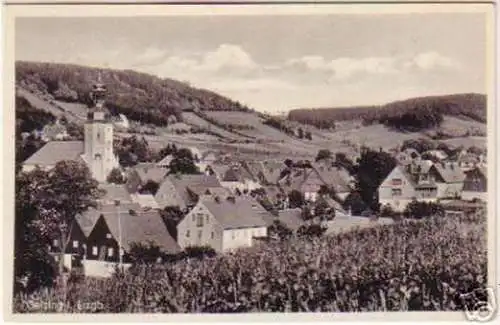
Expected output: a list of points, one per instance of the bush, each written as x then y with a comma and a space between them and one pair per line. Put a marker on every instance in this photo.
417, 210
199, 252
310, 231
116, 176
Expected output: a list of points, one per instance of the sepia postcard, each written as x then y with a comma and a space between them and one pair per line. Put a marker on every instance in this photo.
272, 162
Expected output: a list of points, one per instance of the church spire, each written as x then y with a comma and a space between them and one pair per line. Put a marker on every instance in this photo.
98, 96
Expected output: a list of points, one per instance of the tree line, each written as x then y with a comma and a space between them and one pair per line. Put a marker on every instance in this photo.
139, 96
410, 115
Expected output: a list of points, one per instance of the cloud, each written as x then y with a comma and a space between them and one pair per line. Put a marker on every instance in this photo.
227, 56
432, 60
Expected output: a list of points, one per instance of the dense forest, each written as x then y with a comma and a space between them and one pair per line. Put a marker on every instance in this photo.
410, 115
139, 96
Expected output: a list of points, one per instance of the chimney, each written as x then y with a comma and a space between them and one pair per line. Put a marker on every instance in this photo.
231, 199
217, 199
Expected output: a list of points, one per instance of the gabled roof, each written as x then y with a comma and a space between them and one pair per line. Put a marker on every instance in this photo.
237, 174
300, 178
89, 218
141, 227
165, 161
150, 171
450, 174
182, 185
145, 200
55, 151
272, 170
115, 192
52, 130
333, 176
468, 158
240, 214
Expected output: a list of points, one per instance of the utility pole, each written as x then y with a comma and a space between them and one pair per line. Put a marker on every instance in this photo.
120, 251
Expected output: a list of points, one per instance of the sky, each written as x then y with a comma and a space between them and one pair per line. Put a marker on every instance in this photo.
277, 63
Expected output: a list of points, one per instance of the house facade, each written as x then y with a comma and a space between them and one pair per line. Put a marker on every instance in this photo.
221, 223
475, 185
403, 185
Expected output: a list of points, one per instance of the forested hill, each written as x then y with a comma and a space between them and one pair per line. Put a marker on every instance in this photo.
139, 96
417, 113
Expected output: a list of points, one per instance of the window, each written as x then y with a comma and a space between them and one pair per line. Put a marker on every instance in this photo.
55, 243
108, 235
199, 234
397, 181
187, 234
233, 235
110, 252
94, 250
212, 235
98, 135
75, 243
194, 217
199, 221
396, 192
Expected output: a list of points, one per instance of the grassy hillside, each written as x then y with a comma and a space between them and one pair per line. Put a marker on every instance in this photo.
427, 109
137, 95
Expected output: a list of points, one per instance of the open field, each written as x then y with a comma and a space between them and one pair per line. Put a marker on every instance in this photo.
77, 109
193, 119
265, 140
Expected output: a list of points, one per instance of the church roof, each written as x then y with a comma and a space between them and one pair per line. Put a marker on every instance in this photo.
55, 151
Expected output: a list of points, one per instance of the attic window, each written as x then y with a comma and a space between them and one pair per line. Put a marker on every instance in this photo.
97, 156
108, 235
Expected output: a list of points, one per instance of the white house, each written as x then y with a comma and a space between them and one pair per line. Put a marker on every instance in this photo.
222, 223
405, 184
238, 178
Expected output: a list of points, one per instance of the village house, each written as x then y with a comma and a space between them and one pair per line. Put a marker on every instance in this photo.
407, 183
468, 161
140, 174
336, 179
475, 185
237, 178
184, 190
207, 159
165, 162
121, 122
439, 154
309, 181
113, 193
222, 223
52, 152
145, 201
54, 132
290, 218
449, 179
112, 231
407, 156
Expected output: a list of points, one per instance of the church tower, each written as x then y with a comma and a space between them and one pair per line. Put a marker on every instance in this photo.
98, 153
